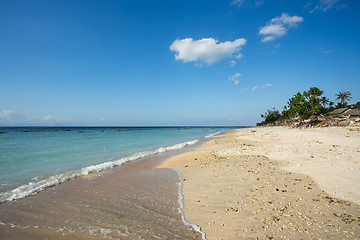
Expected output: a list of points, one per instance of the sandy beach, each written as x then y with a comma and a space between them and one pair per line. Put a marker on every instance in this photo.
274, 183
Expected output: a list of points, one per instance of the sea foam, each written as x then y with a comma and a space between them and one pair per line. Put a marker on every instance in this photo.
34, 187
181, 206
212, 135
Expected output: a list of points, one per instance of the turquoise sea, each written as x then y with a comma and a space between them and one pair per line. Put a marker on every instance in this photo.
34, 158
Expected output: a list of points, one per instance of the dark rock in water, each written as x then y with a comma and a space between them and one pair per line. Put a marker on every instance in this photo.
3, 132
136, 129
81, 132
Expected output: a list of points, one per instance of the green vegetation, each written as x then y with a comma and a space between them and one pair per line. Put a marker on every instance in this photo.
343, 97
303, 105
271, 116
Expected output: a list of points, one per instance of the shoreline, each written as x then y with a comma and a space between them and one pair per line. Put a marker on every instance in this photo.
32, 188
274, 182
132, 201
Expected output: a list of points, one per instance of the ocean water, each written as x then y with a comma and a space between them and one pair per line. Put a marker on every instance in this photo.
34, 158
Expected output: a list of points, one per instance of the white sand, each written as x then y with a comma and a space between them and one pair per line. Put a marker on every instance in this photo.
274, 183
331, 156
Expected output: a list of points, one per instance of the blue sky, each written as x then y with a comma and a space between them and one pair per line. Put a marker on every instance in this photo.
175, 62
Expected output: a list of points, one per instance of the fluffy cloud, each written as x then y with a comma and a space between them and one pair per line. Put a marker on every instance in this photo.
206, 50
273, 29
235, 78
325, 5
278, 26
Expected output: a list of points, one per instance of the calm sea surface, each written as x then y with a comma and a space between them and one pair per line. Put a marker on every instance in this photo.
34, 158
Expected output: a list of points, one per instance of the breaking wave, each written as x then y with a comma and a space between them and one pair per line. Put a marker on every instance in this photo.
34, 187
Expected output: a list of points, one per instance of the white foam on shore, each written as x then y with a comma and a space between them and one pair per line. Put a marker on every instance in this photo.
181, 206
212, 135
34, 187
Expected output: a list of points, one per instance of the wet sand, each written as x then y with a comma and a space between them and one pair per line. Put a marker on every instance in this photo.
133, 201
274, 183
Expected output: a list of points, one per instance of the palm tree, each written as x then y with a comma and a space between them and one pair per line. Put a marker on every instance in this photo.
324, 101
343, 97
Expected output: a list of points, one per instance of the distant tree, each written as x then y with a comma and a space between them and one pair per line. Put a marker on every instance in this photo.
304, 105
310, 102
331, 107
271, 116
313, 93
324, 101
356, 105
343, 97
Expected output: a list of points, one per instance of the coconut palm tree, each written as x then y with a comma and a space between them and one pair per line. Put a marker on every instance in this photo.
343, 97
324, 101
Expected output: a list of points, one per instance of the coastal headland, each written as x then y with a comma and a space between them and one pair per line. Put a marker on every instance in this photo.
274, 183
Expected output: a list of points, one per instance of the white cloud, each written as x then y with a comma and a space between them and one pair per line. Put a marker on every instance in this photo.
268, 39
288, 20
49, 117
266, 85
206, 50
52, 119
12, 117
6, 114
235, 78
326, 51
232, 63
308, 5
277, 45
259, 2
279, 26
273, 29
325, 5
238, 3
257, 87
238, 56
241, 3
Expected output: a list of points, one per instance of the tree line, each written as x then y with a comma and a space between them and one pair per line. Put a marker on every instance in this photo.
306, 104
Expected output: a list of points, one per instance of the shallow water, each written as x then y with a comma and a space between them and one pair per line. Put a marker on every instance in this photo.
34, 158
128, 202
